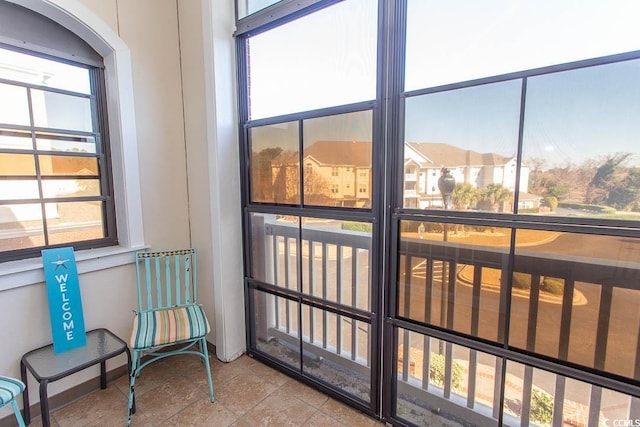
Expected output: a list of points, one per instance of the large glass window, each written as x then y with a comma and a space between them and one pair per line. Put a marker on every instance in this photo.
55, 186
311, 149
461, 146
330, 61
500, 147
336, 160
451, 43
581, 155
248, 7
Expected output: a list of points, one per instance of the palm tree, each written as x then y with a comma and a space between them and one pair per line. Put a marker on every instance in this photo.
464, 195
495, 194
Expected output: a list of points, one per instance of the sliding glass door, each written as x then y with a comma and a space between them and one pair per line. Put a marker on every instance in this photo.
441, 206
313, 200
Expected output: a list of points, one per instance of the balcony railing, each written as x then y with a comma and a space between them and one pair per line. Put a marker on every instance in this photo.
456, 299
446, 284
324, 298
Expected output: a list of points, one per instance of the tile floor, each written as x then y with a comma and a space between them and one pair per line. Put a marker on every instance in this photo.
173, 392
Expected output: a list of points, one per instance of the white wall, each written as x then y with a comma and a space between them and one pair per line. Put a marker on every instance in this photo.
188, 167
207, 53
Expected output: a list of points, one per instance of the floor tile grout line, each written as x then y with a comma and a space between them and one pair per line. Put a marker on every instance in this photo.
282, 382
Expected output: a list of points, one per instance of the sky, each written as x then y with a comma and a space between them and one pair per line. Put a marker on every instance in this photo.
329, 58
461, 40
330, 61
570, 117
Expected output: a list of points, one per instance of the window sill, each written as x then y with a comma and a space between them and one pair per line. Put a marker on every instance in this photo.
15, 274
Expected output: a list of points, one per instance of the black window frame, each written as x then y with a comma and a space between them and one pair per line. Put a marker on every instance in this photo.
100, 133
393, 212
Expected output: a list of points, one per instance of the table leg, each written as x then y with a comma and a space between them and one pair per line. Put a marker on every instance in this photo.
25, 394
44, 403
133, 406
103, 374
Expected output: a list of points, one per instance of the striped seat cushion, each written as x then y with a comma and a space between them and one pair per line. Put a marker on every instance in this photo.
9, 389
158, 327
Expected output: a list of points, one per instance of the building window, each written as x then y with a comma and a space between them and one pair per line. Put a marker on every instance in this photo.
55, 185
334, 172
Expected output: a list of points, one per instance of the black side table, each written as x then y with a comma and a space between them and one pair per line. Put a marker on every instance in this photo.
47, 366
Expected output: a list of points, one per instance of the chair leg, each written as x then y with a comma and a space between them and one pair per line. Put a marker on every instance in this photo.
16, 410
132, 380
205, 352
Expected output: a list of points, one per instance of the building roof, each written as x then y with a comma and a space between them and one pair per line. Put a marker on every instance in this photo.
440, 154
358, 154
336, 153
333, 153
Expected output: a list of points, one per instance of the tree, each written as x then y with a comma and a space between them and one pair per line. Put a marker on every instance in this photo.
607, 178
317, 189
262, 174
493, 195
464, 196
551, 202
615, 185
625, 194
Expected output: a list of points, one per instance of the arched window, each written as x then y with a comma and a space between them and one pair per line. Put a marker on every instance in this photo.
55, 169
67, 140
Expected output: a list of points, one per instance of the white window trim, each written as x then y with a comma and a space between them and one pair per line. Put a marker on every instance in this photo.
122, 135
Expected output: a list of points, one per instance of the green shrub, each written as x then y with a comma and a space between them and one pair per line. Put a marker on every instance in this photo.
529, 211
553, 285
551, 202
357, 226
436, 371
521, 280
541, 407
596, 209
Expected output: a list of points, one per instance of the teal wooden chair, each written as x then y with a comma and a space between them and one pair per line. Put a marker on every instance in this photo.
169, 320
10, 389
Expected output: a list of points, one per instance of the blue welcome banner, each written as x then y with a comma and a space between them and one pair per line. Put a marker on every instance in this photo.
65, 303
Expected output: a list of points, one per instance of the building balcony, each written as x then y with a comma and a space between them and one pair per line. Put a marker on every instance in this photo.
410, 177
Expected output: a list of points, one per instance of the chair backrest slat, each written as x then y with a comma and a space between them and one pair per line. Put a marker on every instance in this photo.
177, 273
187, 269
156, 263
167, 273
194, 273
166, 279
147, 268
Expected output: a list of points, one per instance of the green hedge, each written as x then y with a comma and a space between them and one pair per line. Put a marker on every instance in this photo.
591, 208
521, 280
357, 226
436, 371
550, 285
553, 285
529, 210
541, 407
